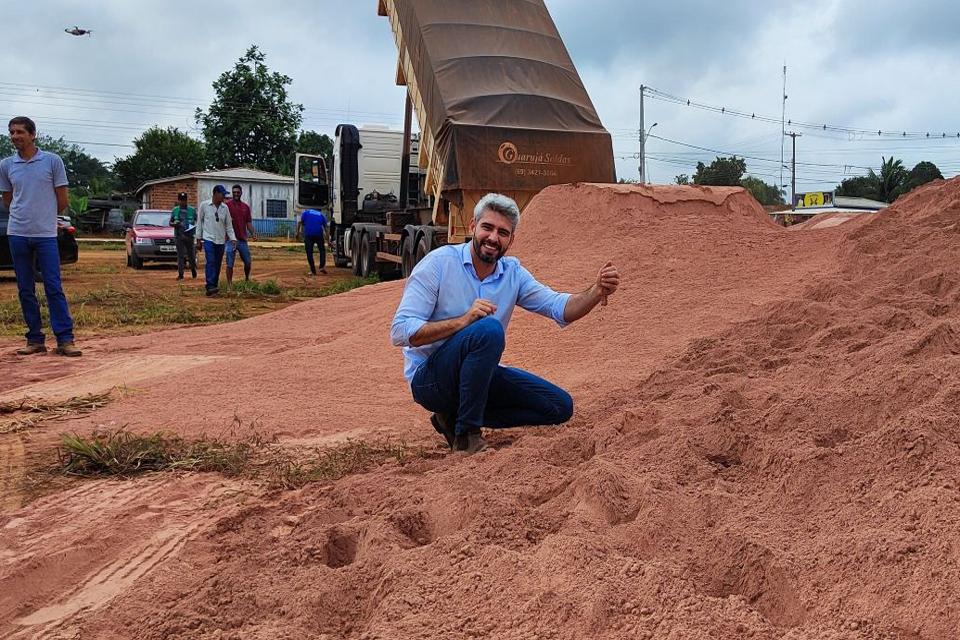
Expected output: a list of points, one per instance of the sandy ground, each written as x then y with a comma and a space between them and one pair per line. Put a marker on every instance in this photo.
765, 444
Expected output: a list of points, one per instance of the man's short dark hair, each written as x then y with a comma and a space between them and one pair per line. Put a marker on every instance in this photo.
236, 186
25, 122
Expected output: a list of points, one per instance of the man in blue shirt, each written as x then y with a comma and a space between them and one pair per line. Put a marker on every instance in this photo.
452, 321
314, 226
33, 184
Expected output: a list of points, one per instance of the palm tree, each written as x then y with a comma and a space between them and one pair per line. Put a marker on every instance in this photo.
891, 175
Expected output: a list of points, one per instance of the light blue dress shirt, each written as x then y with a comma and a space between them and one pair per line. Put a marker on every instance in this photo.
444, 285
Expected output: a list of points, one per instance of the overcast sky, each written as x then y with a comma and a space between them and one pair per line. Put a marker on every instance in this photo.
872, 65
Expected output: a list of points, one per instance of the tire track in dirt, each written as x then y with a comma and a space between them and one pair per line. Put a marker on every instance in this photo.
66, 559
11, 471
109, 582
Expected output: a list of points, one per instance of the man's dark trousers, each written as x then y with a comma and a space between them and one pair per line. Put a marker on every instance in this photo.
186, 252
464, 377
308, 242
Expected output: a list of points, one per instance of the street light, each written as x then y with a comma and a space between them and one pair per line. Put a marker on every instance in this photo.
643, 153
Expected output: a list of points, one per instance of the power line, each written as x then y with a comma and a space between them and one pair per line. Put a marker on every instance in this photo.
752, 115
757, 158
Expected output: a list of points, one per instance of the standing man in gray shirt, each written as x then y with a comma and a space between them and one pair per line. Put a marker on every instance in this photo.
33, 184
214, 227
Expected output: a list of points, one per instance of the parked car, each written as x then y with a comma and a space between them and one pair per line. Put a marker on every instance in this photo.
150, 238
66, 242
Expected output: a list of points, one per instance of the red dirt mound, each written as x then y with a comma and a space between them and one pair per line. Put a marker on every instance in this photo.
765, 445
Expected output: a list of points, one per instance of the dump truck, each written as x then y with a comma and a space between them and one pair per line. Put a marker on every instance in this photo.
501, 108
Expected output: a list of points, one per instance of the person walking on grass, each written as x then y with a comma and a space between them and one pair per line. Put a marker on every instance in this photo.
214, 230
242, 223
33, 185
314, 226
452, 323
183, 219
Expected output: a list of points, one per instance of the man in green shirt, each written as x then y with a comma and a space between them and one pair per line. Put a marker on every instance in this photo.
183, 219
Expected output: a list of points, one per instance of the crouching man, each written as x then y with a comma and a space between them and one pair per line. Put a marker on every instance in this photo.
452, 322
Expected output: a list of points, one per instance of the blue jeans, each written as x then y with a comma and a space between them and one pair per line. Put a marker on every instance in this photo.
213, 257
24, 252
464, 377
244, 250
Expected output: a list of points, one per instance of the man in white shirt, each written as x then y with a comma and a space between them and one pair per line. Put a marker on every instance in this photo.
214, 228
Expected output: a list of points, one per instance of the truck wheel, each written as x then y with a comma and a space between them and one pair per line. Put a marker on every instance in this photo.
407, 254
421, 251
367, 261
340, 258
355, 252
136, 262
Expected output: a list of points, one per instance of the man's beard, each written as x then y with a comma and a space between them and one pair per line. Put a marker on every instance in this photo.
478, 250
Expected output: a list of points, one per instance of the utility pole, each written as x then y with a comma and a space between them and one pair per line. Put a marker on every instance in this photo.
643, 160
793, 171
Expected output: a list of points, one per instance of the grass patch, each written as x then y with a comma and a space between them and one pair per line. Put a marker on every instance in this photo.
104, 246
124, 454
29, 412
341, 286
297, 248
254, 288
109, 307
121, 453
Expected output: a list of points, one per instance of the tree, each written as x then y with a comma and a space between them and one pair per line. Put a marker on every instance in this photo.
160, 153
892, 174
318, 144
721, 172
251, 122
867, 186
81, 167
766, 194
921, 174
682, 179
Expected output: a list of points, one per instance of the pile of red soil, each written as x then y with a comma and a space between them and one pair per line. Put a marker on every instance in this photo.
765, 445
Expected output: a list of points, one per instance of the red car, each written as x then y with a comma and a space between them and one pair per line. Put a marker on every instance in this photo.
150, 238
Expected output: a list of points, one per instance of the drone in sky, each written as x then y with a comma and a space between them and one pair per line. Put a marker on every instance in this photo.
77, 31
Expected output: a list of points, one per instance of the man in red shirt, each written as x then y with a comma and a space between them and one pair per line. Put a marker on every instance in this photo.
242, 222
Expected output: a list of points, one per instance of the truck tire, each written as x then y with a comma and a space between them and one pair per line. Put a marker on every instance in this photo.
422, 250
368, 263
406, 253
355, 252
340, 257
136, 262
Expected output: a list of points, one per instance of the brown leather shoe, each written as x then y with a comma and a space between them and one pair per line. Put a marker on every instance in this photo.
444, 425
472, 442
32, 348
68, 349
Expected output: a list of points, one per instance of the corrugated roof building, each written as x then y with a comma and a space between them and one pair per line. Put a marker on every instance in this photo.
269, 195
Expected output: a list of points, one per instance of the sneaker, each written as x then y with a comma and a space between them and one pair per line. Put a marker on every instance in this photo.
212, 292
32, 348
68, 349
323, 271
471, 442
180, 277
444, 424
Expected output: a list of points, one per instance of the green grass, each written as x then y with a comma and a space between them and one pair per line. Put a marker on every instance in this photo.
104, 246
255, 288
121, 453
108, 307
